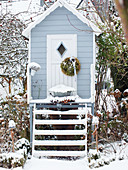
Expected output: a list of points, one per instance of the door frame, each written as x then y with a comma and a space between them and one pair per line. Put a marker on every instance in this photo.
58, 36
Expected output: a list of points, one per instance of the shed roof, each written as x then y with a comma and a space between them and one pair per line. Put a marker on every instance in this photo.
61, 3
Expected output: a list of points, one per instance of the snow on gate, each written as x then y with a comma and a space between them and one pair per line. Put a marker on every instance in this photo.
63, 131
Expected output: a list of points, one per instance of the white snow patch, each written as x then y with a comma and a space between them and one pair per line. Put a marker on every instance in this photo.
99, 113
1, 118
34, 67
117, 91
12, 124
21, 142
3, 91
95, 120
18, 97
61, 88
126, 91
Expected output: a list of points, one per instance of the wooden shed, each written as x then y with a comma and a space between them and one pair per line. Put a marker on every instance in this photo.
60, 32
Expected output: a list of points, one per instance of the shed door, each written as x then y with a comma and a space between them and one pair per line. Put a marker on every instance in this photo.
60, 47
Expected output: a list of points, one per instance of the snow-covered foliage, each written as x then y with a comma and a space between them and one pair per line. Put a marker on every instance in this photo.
13, 109
11, 160
113, 122
108, 153
125, 137
107, 102
26, 10
22, 144
13, 49
112, 50
96, 160
112, 54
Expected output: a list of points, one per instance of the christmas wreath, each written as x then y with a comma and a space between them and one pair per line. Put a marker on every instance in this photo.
67, 66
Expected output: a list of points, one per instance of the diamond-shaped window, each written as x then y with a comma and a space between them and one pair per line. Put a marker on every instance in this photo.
61, 49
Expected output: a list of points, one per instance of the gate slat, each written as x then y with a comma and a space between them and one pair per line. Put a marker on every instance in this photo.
60, 132
59, 122
59, 153
59, 142
70, 112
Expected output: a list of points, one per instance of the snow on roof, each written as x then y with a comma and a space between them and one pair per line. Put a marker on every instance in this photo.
61, 3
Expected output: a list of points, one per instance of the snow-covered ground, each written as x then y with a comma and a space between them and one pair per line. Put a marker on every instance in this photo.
19, 168
48, 164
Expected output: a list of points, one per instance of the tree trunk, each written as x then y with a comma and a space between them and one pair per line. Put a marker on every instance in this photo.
122, 7
9, 82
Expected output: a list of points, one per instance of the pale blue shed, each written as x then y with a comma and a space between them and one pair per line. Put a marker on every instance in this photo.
61, 32
61, 26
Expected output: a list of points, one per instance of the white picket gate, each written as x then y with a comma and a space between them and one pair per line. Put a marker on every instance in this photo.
79, 121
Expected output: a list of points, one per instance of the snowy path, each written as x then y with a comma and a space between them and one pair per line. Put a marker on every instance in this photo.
48, 164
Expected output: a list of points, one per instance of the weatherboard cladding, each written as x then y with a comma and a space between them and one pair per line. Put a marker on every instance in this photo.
61, 21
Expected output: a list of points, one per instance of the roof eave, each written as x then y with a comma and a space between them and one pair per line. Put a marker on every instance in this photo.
61, 3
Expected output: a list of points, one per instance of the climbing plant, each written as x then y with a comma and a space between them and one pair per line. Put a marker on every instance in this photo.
112, 53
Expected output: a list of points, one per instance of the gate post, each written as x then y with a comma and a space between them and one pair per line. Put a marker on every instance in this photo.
31, 125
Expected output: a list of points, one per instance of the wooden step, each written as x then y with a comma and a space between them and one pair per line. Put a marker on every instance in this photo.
58, 153
58, 142
59, 122
51, 112
59, 132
